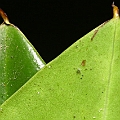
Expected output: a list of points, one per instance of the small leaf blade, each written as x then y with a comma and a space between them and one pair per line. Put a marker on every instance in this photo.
19, 60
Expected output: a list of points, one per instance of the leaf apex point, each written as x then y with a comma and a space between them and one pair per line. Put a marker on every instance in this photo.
4, 16
115, 11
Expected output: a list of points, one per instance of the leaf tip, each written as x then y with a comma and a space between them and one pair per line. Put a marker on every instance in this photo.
4, 16
115, 11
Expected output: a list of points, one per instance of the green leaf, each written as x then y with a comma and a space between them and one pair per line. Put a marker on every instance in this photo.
19, 61
82, 83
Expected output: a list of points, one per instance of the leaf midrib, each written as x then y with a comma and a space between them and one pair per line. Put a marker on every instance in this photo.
109, 76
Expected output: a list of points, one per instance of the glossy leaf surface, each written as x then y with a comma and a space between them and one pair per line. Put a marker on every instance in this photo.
19, 61
83, 83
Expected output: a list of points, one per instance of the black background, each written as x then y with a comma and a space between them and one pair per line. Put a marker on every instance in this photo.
53, 25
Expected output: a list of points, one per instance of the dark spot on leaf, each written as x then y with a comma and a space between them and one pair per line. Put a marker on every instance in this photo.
83, 63
74, 116
102, 92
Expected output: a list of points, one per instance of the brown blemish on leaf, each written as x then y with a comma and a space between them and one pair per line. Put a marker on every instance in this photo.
83, 63
4, 16
96, 31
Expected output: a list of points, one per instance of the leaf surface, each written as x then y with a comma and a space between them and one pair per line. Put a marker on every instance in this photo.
82, 83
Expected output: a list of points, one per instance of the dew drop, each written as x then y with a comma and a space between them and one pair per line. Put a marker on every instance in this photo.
100, 110
49, 66
78, 71
76, 46
1, 109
